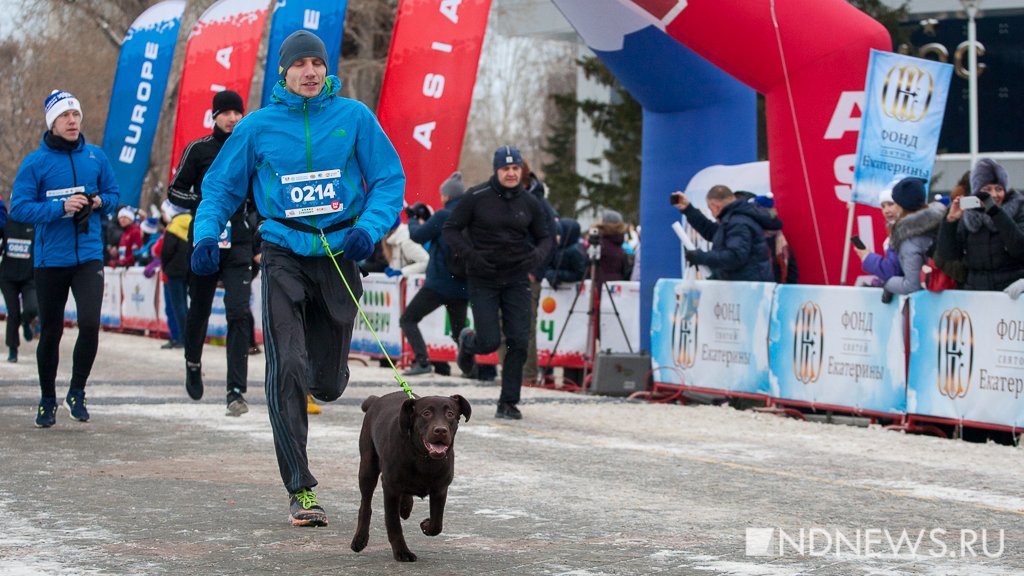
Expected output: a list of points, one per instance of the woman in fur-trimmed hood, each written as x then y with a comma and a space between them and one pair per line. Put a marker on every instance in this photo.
614, 263
912, 234
990, 239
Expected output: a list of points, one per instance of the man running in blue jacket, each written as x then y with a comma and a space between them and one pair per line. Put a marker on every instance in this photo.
62, 187
321, 169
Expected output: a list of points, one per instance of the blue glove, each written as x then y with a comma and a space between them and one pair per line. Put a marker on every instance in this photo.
205, 257
357, 245
391, 272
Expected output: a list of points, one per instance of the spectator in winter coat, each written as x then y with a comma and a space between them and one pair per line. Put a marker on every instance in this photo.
131, 238
738, 248
990, 239
784, 266
912, 234
404, 255
441, 287
174, 260
569, 263
882, 267
614, 264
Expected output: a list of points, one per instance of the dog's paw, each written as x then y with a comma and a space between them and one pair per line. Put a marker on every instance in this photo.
404, 555
406, 508
359, 542
429, 529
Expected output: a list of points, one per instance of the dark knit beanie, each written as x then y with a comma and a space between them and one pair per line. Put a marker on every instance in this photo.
986, 172
227, 100
453, 186
297, 45
909, 194
506, 156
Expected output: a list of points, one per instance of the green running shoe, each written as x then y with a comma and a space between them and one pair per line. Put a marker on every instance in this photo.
305, 510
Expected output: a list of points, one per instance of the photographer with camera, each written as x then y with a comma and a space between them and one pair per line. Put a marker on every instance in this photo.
499, 219
985, 230
61, 188
738, 247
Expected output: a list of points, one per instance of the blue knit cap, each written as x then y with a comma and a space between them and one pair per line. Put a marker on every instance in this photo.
507, 156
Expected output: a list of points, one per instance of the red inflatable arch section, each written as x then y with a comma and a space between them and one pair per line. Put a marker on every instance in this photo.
809, 58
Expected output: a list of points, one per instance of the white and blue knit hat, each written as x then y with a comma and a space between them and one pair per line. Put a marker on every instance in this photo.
59, 102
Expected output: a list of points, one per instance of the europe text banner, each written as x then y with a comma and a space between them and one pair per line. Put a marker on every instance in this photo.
722, 345
967, 357
325, 18
220, 55
904, 102
138, 94
428, 87
837, 347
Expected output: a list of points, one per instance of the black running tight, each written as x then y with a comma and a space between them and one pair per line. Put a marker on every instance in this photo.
85, 282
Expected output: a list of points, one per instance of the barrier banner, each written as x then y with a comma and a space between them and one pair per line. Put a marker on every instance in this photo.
435, 327
428, 87
139, 302
722, 345
626, 299
256, 306
860, 364
218, 326
562, 314
967, 357
382, 304
325, 18
138, 94
110, 310
904, 103
220, 55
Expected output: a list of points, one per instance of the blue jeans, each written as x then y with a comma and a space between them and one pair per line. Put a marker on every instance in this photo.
176, 306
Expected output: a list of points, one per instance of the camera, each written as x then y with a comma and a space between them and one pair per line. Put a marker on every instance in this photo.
594, 244
418, 211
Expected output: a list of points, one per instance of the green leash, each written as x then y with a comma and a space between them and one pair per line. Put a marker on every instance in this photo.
398, 377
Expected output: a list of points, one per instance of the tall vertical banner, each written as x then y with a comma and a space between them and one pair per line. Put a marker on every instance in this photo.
138, 94
220, 55
904, 102
325, 18
428, 87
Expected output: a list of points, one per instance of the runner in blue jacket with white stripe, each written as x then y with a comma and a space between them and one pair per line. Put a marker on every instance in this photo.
321, 167
62, 187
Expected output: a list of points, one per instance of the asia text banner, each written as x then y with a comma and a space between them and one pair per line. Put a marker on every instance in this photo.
722, 345
904, 102
325, 18
138, 94
838, 347
562, 319
220, 55
428, 87
967, 357
620, 317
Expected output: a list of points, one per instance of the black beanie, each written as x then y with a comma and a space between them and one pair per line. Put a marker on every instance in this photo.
227, 100
909, 194
300, 44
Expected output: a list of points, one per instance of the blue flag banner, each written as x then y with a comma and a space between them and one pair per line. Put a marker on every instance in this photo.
325, 18
904, 102
138, 94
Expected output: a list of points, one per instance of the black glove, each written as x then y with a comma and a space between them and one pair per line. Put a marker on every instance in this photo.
81, 217
552, 278
480, 266
886, 296
988, 203
692, 256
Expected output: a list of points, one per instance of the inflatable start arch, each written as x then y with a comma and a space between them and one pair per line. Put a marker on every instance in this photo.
809, 59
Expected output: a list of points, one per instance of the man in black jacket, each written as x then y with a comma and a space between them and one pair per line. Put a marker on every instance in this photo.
236, 256
491, 230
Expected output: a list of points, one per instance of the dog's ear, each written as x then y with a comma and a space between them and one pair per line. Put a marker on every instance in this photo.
405, 417
464, 407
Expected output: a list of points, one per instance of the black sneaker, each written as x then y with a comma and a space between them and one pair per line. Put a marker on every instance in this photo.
442, 369
194, 380
254, 350
236, 404
508, 411
46, 415
76, 403
465, 359
26, 331
169, 345
418, 369
12, 355
305, 510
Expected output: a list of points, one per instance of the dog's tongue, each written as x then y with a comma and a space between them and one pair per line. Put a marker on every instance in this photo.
437, 449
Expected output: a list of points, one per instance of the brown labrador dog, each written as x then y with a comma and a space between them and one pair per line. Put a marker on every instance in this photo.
411, 444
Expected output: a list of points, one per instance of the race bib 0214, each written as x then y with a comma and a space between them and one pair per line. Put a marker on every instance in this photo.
312, 193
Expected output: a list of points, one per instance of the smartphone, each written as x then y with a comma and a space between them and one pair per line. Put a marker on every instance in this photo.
858, 243
674, 198
970, 202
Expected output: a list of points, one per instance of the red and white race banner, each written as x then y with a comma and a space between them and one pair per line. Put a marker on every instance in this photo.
428, 87
139, 300
220, 55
